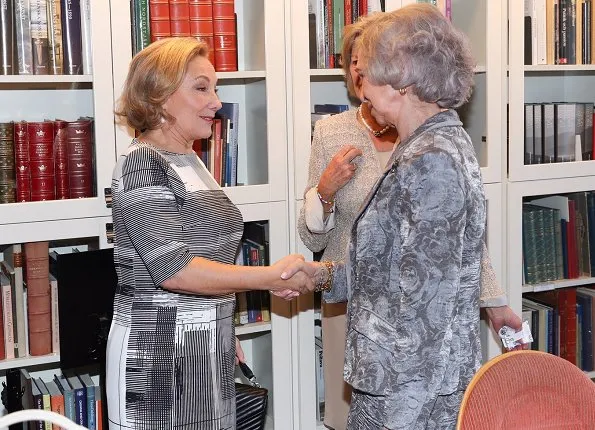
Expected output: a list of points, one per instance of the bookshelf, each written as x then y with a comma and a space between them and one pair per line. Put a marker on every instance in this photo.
259, 86
39, 97
540, 85
484, 118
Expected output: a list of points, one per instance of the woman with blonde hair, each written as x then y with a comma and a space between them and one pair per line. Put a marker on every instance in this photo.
171, 346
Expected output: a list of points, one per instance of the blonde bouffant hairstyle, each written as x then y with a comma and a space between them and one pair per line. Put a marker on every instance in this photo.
416, 47
350, 34
155, 73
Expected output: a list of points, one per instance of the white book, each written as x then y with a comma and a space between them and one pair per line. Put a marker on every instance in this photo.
541, 31
86, 37
6, 290
55, 314
22, 33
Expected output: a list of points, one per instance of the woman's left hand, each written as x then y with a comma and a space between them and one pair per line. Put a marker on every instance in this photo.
239, 352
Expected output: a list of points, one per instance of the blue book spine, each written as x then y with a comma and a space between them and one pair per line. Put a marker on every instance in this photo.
80, 405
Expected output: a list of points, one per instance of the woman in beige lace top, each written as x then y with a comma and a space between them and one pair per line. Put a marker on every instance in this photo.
349, 153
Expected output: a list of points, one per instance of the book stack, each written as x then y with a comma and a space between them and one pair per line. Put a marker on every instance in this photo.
75, 395
253, 306
30, 324
219, 153
46, 160
213, 21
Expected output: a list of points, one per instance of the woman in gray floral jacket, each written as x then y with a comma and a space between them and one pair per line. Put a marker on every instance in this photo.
412, 275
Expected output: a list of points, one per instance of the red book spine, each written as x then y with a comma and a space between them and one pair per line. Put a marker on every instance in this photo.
41, 160
159, 19
363, 7
347, 11
201, 24
225, 36
179, 18
79, 137
61, 160
21, 161
38, 298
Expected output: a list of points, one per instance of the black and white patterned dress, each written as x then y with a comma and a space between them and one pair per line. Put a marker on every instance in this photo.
170, 356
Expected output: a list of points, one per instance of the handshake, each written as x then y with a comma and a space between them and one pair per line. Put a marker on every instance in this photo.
294, 276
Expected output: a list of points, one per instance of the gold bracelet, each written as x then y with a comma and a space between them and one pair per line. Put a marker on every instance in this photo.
325, 283
326, 202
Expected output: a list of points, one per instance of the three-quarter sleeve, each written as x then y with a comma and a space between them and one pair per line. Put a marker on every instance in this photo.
491, 293
150, 214
318, 162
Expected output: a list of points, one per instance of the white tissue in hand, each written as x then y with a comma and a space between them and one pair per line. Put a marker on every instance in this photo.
511, 338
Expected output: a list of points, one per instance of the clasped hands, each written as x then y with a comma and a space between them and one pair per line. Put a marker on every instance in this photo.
294, 276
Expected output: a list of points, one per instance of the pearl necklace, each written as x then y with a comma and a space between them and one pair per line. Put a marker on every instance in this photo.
376, 133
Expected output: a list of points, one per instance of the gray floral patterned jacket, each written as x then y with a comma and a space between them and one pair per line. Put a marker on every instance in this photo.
413, 274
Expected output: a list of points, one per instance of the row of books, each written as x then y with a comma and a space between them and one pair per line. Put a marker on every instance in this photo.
74, 395
558, 132
559, 32
558, 237
219, 153
327, 18
213, 21
253, 306
45, 37
562, 323
30, 320
46, 160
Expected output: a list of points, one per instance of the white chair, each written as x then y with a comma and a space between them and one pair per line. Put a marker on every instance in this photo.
38, 415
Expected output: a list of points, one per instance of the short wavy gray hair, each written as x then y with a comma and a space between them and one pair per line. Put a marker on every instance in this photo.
417, 47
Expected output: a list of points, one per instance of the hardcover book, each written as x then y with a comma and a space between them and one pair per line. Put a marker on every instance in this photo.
21, 160
7, 168
72, 37
39, 37
55, 37
38, 298
201, 24
22, 31
6, 37
87, 51
225, 36
159, 19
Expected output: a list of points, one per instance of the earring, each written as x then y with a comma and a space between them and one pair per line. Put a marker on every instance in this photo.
402, 91
162, 120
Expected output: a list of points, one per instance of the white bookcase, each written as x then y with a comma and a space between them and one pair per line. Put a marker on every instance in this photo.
538, 84
483, 117
39, 97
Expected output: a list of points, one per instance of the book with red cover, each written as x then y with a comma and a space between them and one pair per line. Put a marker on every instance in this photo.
179, 18
79, 140
38, 297
61, 160
201, 23
21, 162
159, 19
225, 36
41, 160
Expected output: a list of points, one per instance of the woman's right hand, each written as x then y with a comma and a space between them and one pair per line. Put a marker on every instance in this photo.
302, 279
339, 171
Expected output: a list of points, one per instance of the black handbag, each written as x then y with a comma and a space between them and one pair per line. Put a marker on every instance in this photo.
251, 402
